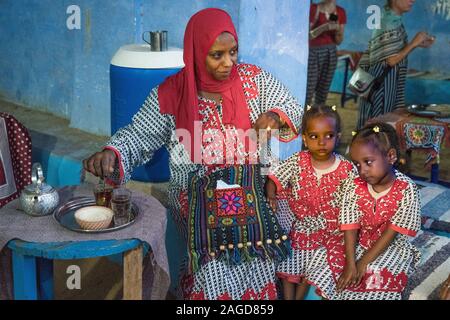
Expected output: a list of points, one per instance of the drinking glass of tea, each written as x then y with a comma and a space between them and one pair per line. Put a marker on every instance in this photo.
103, 194
121, 205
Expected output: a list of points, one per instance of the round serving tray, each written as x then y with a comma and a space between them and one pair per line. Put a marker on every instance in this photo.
64, 215
428, 112
425, 113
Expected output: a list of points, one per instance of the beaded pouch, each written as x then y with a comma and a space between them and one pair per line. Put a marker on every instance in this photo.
232, 222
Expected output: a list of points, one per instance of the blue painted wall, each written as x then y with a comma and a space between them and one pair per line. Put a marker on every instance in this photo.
274, 35
432, 16
66, 72
36, 56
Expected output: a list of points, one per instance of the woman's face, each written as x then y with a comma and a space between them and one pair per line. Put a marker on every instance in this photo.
402, 6
222, 56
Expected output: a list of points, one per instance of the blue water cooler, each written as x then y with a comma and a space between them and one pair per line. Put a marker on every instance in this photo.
134, 71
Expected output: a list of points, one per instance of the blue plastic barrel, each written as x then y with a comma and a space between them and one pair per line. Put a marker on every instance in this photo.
134, 71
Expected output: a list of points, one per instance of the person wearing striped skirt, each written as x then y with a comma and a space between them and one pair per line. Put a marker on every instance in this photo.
387, 60
327, 22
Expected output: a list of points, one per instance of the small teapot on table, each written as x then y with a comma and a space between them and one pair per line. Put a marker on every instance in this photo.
38, 198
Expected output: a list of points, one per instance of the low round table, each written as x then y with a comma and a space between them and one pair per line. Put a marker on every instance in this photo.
33, 264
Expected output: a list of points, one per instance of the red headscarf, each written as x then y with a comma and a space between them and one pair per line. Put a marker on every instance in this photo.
178, 94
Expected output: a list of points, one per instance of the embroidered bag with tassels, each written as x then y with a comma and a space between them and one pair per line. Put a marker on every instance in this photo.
232, 223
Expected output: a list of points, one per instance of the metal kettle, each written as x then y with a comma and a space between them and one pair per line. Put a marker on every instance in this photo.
38, 198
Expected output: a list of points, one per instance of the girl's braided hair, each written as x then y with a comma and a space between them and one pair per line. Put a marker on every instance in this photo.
381, 135
321, 110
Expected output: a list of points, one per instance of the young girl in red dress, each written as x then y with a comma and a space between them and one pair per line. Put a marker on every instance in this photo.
315, 180
380, 210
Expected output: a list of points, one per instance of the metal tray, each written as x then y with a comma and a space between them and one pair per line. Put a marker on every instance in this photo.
64, 215
429, 111
425, 113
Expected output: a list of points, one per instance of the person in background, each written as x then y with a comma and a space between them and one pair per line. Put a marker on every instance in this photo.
387, 60
327, 21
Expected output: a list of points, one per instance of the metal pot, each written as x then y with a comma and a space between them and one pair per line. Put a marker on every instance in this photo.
38, 198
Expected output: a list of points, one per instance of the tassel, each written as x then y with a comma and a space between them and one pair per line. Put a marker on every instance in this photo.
227, 257
236, 256
266, 253
221, 256
282, 251
205, 258
245, 254
252, 252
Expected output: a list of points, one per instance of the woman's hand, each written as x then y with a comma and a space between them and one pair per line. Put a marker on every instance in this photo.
100, 164
348, 277
333, 26
419, 38
267, 121
428, 42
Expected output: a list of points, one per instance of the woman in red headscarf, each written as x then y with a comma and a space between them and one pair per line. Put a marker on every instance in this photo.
193, 114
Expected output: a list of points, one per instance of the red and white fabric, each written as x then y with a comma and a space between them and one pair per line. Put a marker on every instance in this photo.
15, 158
387, 276
315, 204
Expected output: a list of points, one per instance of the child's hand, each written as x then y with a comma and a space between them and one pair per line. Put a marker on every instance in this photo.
361, 268
444, 293
348, 277
271, 191
272, 200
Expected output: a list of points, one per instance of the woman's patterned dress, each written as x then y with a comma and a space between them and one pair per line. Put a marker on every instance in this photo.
150, 130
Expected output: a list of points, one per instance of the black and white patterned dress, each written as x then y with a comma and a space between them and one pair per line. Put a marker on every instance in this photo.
314, 203
390, 95
386, 277
150, 130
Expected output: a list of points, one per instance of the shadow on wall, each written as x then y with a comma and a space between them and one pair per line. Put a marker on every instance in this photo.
58, 170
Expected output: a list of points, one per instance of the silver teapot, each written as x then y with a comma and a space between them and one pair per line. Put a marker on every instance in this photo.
38, 198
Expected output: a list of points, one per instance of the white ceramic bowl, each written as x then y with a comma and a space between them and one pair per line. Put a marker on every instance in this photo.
94, 217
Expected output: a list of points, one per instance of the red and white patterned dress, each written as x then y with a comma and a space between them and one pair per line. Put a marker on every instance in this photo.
387, 275
315, 203
150, 130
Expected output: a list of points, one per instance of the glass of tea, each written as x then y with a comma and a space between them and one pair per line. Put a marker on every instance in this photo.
103, 194
121, 205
